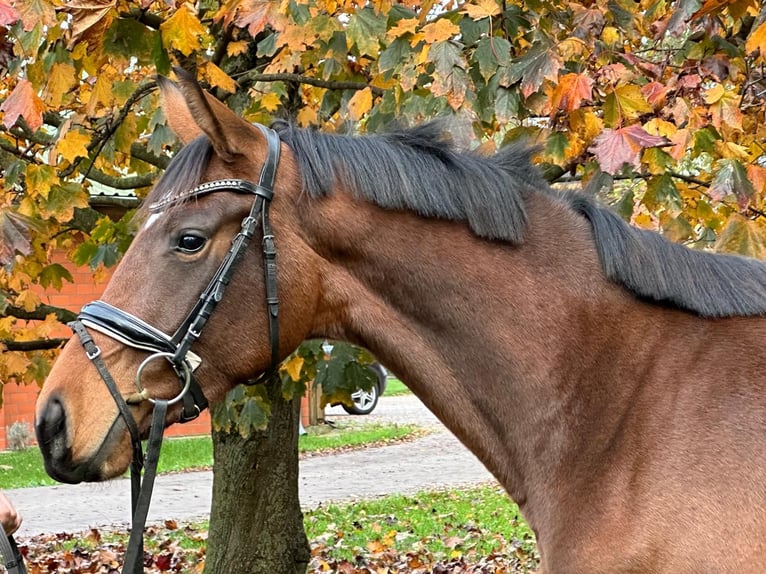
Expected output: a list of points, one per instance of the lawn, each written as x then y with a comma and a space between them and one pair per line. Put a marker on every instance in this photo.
22, 469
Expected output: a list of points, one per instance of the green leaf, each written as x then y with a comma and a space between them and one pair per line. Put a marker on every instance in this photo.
556, 146
661, 191
537, 64
472, 31
254, 415
128, 38
394, 55
53, 276
731, 179
365, 28
743, 236
492, 53
704, 140
625, 206
268, 46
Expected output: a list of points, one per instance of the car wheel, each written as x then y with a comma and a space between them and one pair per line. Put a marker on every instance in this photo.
364, 401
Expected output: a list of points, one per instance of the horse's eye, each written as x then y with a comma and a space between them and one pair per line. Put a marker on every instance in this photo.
189, 243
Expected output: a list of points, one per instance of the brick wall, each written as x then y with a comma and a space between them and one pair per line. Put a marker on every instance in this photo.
19, 400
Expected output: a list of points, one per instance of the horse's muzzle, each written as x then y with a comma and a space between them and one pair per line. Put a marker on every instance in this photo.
51, 432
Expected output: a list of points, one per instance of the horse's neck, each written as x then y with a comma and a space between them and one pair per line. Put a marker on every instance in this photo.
497, 340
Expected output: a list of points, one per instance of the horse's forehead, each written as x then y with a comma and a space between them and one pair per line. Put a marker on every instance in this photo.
152, 219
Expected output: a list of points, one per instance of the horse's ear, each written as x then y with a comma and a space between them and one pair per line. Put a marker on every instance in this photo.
177, 112
191, 112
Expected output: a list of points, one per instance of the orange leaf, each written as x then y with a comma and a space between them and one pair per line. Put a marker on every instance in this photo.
23, 102
218, 78
34, 12
571, 91
403, 26
757, 40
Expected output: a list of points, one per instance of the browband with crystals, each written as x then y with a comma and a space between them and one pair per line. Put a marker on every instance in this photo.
234, 185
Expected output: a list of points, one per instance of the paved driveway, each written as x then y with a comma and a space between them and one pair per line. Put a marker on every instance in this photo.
434, 461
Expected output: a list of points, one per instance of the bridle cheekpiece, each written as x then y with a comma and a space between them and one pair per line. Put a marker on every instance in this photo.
176, 348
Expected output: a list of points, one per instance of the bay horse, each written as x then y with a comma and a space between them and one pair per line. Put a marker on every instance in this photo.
610, 380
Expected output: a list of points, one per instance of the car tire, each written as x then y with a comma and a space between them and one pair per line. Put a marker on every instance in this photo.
366, 401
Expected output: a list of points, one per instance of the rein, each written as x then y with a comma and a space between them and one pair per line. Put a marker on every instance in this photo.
12, 558
176, 349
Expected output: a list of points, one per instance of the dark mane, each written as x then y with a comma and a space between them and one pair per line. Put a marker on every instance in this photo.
420, 170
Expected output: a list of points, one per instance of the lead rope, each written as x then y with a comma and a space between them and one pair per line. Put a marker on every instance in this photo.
14, 561
140, 491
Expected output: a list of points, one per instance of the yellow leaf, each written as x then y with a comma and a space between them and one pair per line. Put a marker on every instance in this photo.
307, 116
714, 94
218, 78
586, 123
403, 26
757, 40
572, 48
14, 364
236, 48
643, 220
293, 367
631, 103
39, 180
359, 104
74, 144
610, 35
102, 96
28, 300
731, 150
270, 101
439, 31
183, 31
659, 127
61, 79
481, 9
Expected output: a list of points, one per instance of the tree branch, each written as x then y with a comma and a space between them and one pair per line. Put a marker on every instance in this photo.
252, 77
40, 313
122, 182
139, 151
37, 345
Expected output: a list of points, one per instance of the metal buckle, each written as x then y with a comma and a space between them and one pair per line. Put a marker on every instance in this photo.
95, 353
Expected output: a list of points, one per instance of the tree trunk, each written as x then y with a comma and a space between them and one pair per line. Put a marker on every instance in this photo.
256, 523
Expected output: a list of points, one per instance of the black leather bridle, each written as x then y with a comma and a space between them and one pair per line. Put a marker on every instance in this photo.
176, 349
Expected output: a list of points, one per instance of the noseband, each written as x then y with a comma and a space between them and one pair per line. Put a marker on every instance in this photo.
176, 349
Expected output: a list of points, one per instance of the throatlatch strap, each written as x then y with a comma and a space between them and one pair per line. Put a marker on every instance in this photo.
14, 561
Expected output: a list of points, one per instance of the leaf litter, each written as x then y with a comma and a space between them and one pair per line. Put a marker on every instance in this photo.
416, 534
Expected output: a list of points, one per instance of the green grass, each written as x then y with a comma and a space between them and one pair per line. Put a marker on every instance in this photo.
396, 388
477, 521
22, 469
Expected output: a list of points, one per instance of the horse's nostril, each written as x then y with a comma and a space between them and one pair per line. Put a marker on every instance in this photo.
50, 428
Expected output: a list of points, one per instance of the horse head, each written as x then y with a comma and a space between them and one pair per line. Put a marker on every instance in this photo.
190, 221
